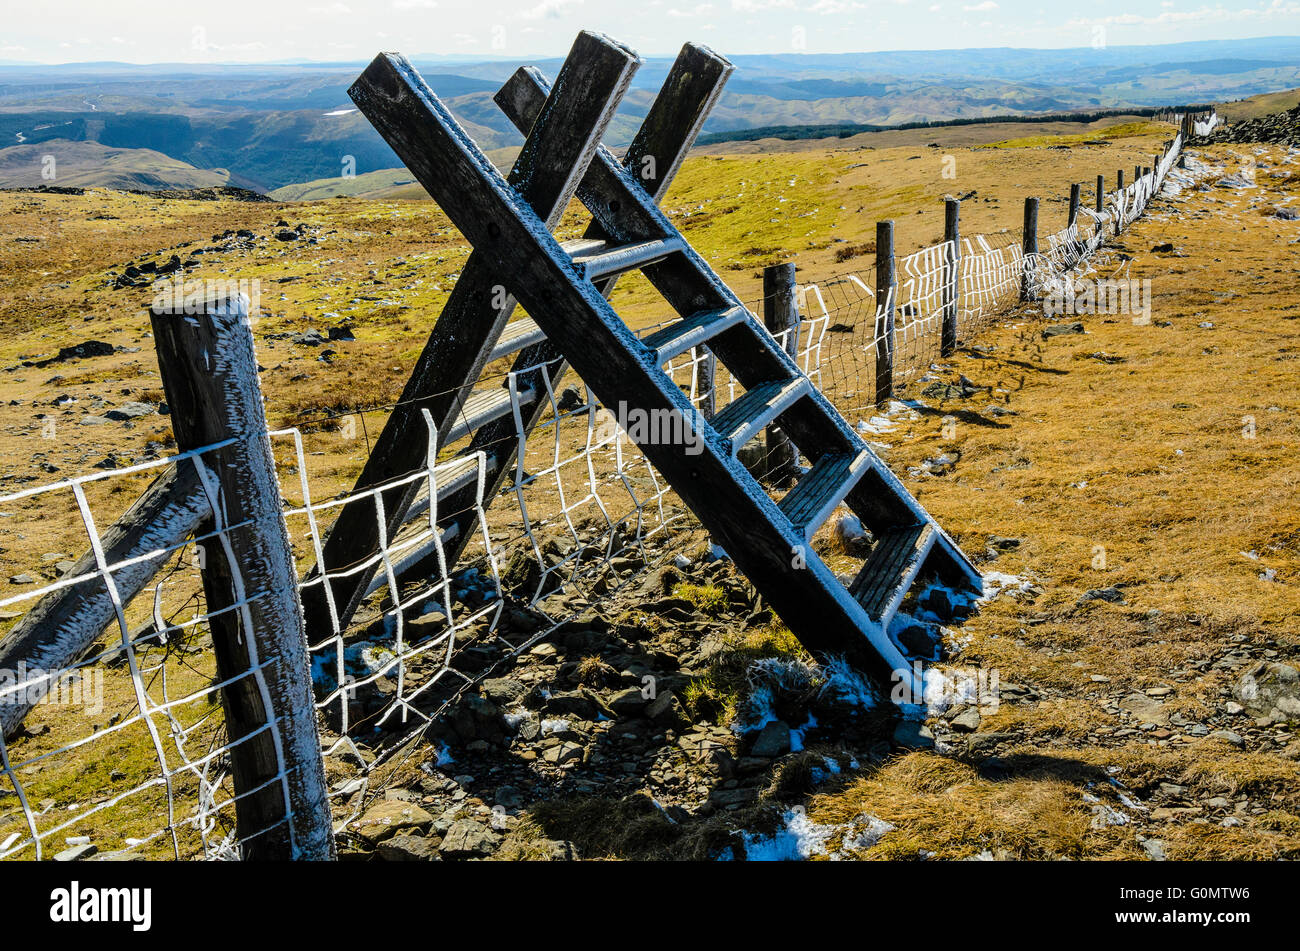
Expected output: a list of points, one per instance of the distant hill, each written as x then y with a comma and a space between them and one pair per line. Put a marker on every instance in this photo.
1255, 107
386, 183
277, 125
380, 184
92, 164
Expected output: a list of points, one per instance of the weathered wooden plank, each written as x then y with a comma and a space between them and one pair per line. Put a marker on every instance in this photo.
822, 488
209, 372
555, 156
59, 630
890, 567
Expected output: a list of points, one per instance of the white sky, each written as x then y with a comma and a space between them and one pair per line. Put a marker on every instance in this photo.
150, 31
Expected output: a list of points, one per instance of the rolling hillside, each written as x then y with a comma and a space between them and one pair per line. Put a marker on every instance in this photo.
92, 164
276, 125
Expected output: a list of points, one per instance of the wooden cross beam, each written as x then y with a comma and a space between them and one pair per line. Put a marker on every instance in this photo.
653, 158
463, 339
555, 155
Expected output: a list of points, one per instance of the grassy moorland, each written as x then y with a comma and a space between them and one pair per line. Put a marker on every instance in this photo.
1128, 439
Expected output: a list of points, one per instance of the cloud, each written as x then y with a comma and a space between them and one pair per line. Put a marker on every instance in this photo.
757, 6
548, 8
832, 7
1201, 15
695, 11
981, 7
331, 10
414, 4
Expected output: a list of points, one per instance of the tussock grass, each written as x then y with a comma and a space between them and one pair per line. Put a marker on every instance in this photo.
943, 807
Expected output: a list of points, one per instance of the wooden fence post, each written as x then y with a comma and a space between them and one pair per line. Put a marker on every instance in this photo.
884, 311
1076, 194
1101, 193
781, 315
952, 275
209, 373
1119, 213
1030, 248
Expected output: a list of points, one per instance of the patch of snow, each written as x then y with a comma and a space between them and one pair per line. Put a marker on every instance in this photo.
554, 726
800, 838
444, 755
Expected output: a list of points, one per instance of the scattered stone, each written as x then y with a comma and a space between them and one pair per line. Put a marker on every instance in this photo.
772, 741
563, 754
913, 735
667, 712
389, 817
628, 702
129, 411
503, 691
1060, 330
1110, 595
467, 839
409, 848
1155, 849
1228, 737
1145, 709
1271, 690
77, 853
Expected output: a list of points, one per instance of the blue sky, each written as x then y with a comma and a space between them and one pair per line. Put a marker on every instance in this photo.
257, 30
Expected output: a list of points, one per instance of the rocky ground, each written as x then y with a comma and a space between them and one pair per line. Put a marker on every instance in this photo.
681, 699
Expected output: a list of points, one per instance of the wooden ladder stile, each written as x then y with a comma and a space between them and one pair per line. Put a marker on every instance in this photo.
564, 290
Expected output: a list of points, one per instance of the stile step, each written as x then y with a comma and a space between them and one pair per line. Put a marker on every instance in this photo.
483, 407
890, 569
452, 477
517, 336
741, 420
816, 495
692, 331
597, 259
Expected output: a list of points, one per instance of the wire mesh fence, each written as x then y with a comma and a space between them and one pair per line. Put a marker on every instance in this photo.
117, 733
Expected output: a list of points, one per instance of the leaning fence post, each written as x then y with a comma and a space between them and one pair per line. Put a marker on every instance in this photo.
1101, 193
1030, 249
209, 373
781, 316
952, 275
1076, 194
884, 311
